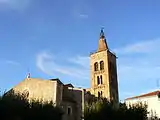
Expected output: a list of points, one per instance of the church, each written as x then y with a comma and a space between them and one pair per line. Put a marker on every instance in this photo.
103, 79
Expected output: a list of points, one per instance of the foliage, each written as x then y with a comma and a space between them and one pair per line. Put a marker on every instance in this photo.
103, 110
16, 107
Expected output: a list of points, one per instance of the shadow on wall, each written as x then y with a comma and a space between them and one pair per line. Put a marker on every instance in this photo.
72, 103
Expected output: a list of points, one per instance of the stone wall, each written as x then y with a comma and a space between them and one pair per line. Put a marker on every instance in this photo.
97, 57
38, 89
73, 98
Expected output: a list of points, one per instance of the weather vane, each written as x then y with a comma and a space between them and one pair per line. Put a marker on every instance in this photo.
102, 28
102, 32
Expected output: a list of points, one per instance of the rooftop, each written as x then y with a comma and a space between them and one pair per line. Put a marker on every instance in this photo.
145, 95
69, 85
56, 79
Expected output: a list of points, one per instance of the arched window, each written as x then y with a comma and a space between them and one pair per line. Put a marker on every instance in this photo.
101, 80
96, 66
101, 65
99, 94
98, 80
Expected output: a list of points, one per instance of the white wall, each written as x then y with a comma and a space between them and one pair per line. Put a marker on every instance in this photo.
152, 102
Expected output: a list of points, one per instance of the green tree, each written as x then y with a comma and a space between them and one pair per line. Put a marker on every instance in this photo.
16, 107
101, 109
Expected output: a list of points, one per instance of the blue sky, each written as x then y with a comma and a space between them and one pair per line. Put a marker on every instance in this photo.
53, 39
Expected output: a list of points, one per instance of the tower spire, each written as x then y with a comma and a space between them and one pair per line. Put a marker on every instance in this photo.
102, 45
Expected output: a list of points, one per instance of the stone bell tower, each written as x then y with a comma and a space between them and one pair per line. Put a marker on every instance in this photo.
104, 71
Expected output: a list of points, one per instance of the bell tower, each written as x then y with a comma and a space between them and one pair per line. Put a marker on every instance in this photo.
104, 71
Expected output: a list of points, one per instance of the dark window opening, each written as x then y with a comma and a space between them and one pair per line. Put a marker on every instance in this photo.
96, 66
98, 80
99, 94
69, 111
101, 65
101, 79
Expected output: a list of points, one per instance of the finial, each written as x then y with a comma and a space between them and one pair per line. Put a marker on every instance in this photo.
29, 75
102, 33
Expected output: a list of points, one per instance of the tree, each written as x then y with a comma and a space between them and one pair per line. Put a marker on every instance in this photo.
102, 109
15, 106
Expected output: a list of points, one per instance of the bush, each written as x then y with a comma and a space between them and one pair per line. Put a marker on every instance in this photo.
101, 109
16, 107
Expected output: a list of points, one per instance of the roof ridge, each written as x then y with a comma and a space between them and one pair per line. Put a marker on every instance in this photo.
144, 95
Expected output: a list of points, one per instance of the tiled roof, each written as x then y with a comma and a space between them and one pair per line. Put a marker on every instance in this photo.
145, 95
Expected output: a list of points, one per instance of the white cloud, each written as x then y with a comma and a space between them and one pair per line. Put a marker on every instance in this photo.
81, 60
81, 9
140, 47
46, 63
12, 62
9, 62
84, 16
15, 4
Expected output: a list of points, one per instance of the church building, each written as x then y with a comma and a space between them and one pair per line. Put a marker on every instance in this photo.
103, 71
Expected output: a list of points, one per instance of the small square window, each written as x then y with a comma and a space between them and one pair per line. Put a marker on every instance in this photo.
69, 110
